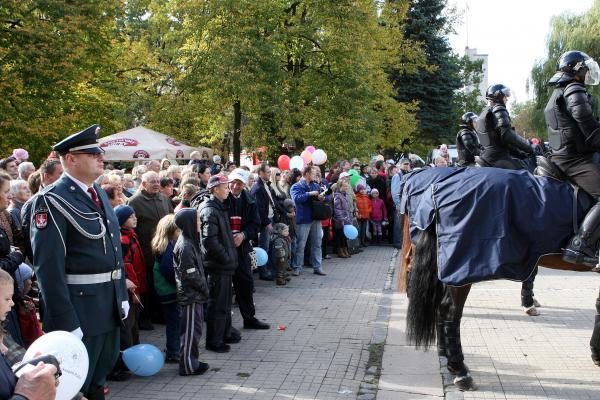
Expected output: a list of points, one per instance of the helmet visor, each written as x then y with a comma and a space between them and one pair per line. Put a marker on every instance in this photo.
506, 91
593, 76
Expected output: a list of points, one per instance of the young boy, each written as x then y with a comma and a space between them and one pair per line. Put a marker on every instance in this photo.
135, 268
280, 252
192, 290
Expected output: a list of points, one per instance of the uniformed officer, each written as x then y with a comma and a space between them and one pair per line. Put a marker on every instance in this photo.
467, 142
77, 257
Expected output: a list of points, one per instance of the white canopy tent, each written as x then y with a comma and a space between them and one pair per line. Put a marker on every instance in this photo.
141, 143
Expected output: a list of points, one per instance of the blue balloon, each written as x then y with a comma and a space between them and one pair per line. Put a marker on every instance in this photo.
143, 359
261, 256
350, 231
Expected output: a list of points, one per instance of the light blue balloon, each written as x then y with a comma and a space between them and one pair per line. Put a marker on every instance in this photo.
261, 256
350, 231
143, 359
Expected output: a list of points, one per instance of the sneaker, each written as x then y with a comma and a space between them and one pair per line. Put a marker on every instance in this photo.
202, 368
319, 272
295, 272
222, 348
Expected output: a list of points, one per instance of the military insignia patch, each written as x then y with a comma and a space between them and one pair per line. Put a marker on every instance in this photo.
41, 219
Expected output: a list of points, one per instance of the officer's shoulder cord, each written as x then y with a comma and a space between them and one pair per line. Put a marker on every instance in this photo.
55, 200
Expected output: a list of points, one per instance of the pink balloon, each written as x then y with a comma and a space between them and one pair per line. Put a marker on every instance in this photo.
283, 162
306, 156
311, 149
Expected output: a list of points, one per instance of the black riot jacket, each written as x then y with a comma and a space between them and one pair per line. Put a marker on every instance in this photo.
503, 140
467, 145
572, 128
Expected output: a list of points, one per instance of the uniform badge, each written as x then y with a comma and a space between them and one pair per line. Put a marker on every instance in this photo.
41, 219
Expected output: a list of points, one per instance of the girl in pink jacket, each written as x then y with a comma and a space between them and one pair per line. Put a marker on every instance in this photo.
378, 214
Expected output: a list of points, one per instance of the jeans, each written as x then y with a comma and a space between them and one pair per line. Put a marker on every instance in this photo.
302, 232
171, 312
264, 241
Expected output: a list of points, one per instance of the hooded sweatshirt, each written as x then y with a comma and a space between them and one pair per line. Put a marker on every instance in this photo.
187, 260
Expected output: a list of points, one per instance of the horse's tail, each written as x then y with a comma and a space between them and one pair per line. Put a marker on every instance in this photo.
425, 291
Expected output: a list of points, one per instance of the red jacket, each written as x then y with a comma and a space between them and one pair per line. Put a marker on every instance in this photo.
133, 260
379, 211
363, 205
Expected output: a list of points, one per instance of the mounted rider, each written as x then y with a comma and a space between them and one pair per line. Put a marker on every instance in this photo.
574, 136
467, 142
500, 141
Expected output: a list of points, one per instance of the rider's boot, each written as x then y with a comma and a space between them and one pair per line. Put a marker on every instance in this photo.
595, 341
582, 247
454, 353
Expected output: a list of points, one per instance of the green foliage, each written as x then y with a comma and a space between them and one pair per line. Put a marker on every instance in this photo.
432, 87
523, 116
303, 71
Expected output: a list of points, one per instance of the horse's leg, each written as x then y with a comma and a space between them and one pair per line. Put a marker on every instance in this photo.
454, 353
443, 315
528, 302
595, 341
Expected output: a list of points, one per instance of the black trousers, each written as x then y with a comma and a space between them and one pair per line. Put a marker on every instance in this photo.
582, 170
243, 286
218, 316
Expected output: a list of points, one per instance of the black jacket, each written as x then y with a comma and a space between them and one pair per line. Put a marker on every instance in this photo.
259, 191
187, 260
504, 141
218, 249
245, 207
467, 145
572, 127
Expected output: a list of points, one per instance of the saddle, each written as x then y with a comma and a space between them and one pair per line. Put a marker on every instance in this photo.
547, 168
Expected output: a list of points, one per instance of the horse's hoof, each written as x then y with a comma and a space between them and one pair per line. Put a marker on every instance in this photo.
536, 303
465, 383
531, 311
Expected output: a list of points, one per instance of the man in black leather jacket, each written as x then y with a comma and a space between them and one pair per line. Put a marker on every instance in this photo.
574, 136
500, 141
221, 261
467, 142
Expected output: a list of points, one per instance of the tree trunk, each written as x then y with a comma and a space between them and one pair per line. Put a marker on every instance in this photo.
237, 128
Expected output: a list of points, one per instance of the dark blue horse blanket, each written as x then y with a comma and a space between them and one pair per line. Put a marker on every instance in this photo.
490, 223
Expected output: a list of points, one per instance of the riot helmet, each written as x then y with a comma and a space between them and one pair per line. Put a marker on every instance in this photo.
578, 64
497, 92
469, 119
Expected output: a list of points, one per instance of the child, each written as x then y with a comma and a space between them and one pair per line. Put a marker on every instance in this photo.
6, 303
28, 320
363, 205
135, 268
378, 214
290, 221
280, 252
341, 217
165, 285
192, 290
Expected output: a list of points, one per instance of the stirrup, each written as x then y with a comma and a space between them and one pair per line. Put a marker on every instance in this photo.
576, 257
531, 311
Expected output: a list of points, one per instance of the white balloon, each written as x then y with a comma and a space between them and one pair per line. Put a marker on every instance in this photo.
72, 357
319, 157
297, 162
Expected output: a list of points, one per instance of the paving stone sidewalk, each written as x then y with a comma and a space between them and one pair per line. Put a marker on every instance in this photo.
511, 355
322, 353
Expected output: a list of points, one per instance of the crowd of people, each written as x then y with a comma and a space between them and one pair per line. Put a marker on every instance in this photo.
187, 238
114, 252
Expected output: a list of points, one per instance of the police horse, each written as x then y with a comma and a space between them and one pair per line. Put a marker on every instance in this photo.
468, 225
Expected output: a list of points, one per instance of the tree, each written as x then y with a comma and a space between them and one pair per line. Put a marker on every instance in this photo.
55, 71
432, 87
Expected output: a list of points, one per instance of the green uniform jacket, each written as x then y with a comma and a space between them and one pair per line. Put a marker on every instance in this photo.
60, 248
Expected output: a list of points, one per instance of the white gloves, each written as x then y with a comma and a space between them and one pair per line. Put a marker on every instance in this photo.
78, 332
125, 308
